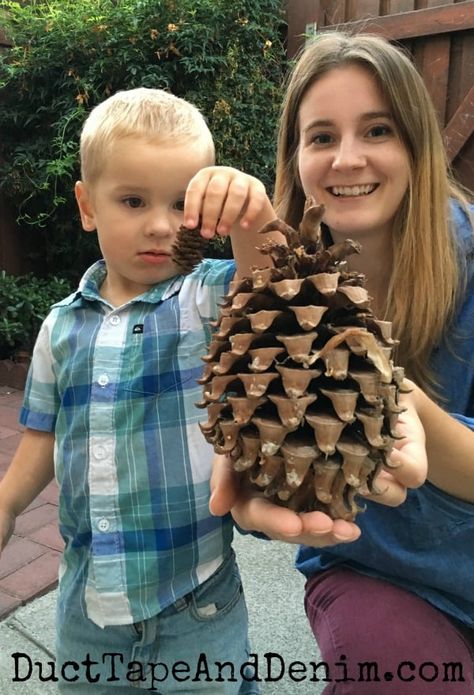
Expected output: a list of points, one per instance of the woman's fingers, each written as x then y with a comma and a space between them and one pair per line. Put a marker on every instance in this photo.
225, 486
392, 493
256, 513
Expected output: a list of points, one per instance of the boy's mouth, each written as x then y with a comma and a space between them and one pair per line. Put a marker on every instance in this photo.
352, 191
154, 257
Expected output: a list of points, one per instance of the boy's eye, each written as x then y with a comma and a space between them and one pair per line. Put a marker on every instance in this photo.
378, 131
179, 205
133, 201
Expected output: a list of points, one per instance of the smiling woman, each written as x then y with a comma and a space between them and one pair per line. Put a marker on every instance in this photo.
359, 134
356, 112
350, 155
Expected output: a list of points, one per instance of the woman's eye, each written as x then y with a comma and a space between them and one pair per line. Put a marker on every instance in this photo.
179, 205
133, 202
322, 139
378, 131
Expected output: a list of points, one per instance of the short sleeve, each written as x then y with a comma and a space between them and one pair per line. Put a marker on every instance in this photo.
41, 399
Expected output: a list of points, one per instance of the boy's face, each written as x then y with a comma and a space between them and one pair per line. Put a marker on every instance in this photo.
136, 206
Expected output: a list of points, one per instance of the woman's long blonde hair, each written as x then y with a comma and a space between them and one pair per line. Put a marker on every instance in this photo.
425, 277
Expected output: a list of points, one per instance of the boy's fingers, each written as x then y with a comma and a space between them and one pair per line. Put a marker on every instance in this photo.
213, 203
194, 196
218, 198
254, 512
235, 202
256, 198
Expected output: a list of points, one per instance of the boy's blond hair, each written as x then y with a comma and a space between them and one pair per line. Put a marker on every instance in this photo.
152, 114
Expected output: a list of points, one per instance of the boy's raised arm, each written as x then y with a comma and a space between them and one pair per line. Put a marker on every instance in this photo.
228, 201
31, 469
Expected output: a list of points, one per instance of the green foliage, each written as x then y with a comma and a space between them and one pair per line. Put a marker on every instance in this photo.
225, 57
24, 303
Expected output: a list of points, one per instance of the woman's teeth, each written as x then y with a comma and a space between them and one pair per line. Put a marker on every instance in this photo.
353, 190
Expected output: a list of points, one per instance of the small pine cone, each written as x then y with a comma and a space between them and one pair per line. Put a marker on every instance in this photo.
299, 383
188, 248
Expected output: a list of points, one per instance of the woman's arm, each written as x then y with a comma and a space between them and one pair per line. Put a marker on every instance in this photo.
450, 448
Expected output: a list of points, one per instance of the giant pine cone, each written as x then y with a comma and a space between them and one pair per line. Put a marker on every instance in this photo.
299, 385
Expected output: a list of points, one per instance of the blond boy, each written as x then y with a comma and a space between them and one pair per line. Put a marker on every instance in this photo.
149, 593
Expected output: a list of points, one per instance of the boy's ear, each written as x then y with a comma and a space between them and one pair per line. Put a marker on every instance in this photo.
86, 208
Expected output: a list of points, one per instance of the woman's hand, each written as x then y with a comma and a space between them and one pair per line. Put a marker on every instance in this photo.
219, 197
408, 456
253, 512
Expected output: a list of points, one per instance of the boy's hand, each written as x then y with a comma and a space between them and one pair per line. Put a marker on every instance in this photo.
219, 197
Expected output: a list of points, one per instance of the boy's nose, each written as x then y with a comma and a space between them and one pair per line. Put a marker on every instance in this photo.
158, 224
349, 155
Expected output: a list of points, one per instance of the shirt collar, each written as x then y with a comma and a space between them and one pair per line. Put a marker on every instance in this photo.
91, 281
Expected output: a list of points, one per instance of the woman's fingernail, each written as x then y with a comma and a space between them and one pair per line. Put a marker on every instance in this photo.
396, 458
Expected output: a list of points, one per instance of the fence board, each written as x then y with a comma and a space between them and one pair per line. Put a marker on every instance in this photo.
361, 9
425, 22
332, 12
434, 66
461, 71
461, 126
421, 4
397, 6
299, 15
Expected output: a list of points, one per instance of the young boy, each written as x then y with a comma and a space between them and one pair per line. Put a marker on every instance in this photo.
149, 592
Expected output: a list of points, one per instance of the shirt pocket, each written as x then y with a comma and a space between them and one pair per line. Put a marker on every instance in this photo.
162, 362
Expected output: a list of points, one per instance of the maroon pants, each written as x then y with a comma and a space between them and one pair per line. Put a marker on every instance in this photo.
378, 639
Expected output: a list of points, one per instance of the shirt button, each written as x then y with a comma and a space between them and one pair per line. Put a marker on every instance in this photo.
99, 452
103, 525
114, 320
103, 380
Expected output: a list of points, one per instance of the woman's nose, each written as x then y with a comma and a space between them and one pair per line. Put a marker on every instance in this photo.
349, 155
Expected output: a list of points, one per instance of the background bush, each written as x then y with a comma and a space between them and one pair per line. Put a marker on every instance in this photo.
226, 57
24, 303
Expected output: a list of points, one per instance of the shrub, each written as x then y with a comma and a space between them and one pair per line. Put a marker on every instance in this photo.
24, 303
226, 57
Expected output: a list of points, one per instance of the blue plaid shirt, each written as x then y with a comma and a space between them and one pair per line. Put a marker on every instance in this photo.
118, 388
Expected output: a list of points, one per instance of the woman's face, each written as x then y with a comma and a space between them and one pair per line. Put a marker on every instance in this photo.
350, 155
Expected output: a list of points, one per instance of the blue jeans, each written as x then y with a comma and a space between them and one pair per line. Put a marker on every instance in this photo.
174, 652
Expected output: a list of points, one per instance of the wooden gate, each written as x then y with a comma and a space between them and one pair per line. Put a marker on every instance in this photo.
440, 37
